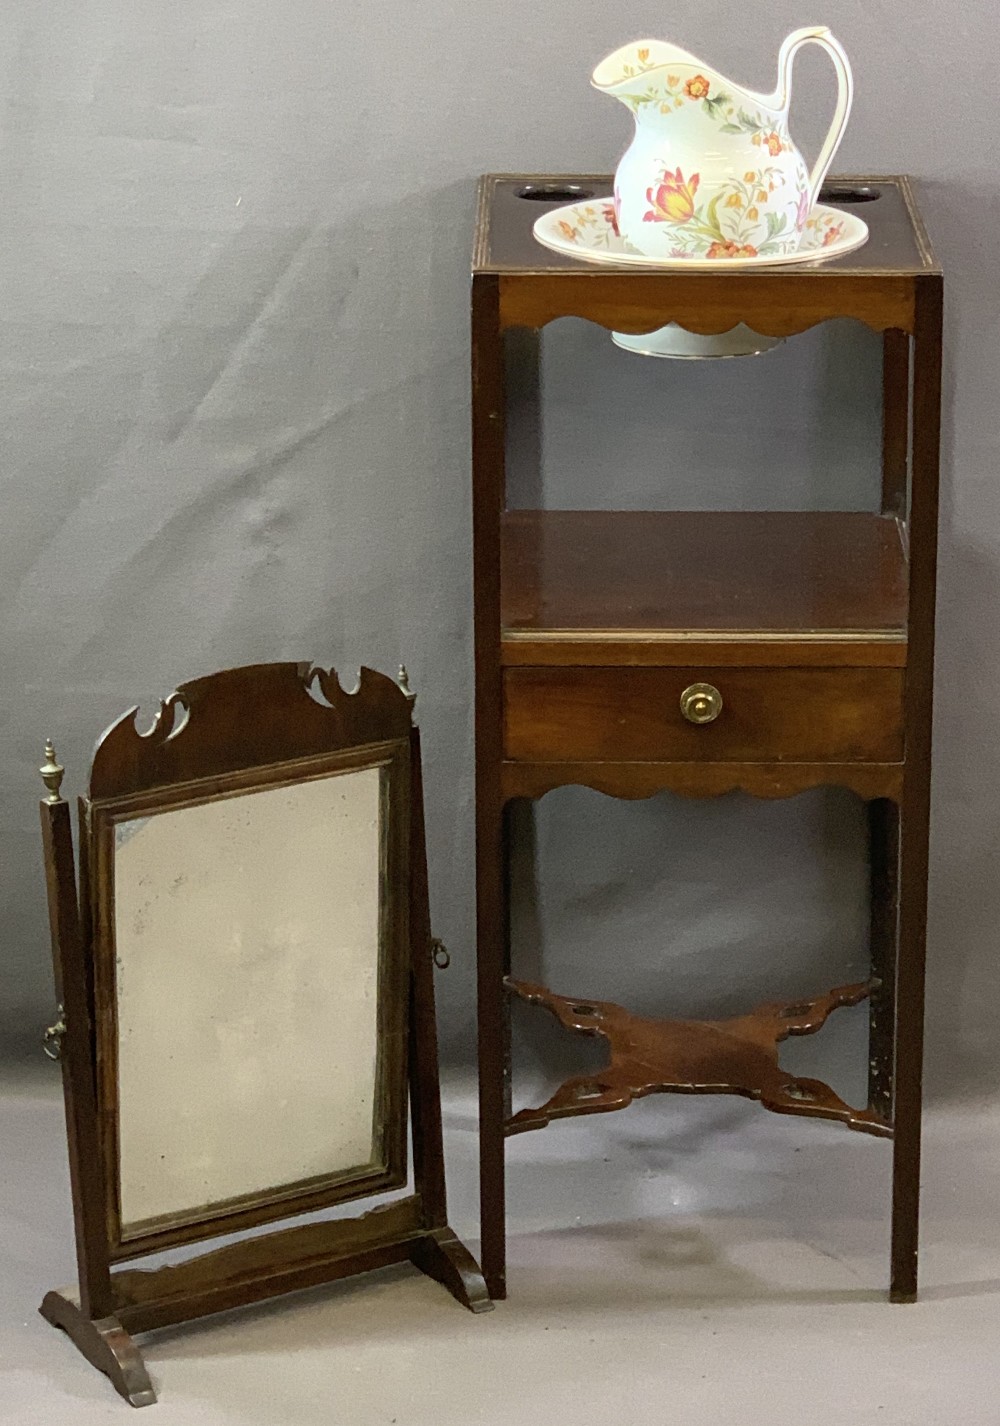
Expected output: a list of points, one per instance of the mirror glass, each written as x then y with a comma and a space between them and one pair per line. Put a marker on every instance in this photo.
248, 943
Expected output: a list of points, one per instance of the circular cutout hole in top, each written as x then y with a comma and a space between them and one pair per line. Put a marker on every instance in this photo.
848, 193
555, 192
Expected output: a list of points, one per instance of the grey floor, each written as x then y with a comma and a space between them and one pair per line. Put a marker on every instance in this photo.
687, 1261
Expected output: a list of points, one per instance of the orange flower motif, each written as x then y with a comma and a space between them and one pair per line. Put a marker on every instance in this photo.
731, 249
773, 142
643, 56
756, 140
611, 218
567, 230
673, 201
832, 234
734, 201
673, 80
753, 214
697, 88
749, 177
761, 196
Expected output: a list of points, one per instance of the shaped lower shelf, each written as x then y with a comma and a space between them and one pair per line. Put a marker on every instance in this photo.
734, 1056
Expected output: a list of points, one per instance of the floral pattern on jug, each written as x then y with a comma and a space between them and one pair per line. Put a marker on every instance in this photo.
672, 92
712, 170
740, 221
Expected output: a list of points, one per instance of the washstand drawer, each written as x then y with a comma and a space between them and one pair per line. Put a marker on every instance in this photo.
766, 714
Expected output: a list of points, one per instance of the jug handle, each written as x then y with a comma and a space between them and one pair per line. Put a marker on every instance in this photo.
821, 36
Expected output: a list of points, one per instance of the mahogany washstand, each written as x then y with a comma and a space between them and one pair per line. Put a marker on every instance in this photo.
775, 652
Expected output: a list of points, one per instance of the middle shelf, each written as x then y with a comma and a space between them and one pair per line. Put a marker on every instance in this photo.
674, 587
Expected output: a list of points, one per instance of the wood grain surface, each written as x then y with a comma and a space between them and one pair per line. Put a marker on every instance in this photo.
597, 586
793, 714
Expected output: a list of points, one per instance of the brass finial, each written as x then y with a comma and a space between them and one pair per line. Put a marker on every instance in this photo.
404, 682
52, 773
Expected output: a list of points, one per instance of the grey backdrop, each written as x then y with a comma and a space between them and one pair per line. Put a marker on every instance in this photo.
233, 332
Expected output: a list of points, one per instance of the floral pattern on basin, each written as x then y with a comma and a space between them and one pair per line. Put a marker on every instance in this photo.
589, 230
597, 224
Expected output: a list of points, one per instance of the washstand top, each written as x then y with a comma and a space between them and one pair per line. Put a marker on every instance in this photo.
509, 204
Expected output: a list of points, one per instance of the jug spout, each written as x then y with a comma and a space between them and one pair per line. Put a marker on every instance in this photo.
631, 68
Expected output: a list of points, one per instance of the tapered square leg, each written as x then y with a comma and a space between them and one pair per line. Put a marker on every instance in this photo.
915, 812
909, 1041
883, 843
494, 1049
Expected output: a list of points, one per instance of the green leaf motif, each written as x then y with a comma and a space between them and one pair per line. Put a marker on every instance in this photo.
713, 218
635, 100
712, 103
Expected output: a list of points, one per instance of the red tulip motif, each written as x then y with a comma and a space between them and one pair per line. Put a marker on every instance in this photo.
673, 201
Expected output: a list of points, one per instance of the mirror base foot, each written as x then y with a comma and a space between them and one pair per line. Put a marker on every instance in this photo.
442, 1256
105, 1344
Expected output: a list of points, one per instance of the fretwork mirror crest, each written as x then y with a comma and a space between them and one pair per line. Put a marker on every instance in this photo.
246, 998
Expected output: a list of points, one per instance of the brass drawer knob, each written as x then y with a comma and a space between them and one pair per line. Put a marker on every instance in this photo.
701, 703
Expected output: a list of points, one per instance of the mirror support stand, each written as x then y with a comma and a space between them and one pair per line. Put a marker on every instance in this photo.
110, 1307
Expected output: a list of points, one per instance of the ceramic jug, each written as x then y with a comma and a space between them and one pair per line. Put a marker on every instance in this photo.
712, 171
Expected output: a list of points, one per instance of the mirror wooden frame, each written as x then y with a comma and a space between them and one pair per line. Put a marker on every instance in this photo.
234, 732
389, 1166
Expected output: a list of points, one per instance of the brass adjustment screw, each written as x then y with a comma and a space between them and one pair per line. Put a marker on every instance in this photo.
53, 1037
